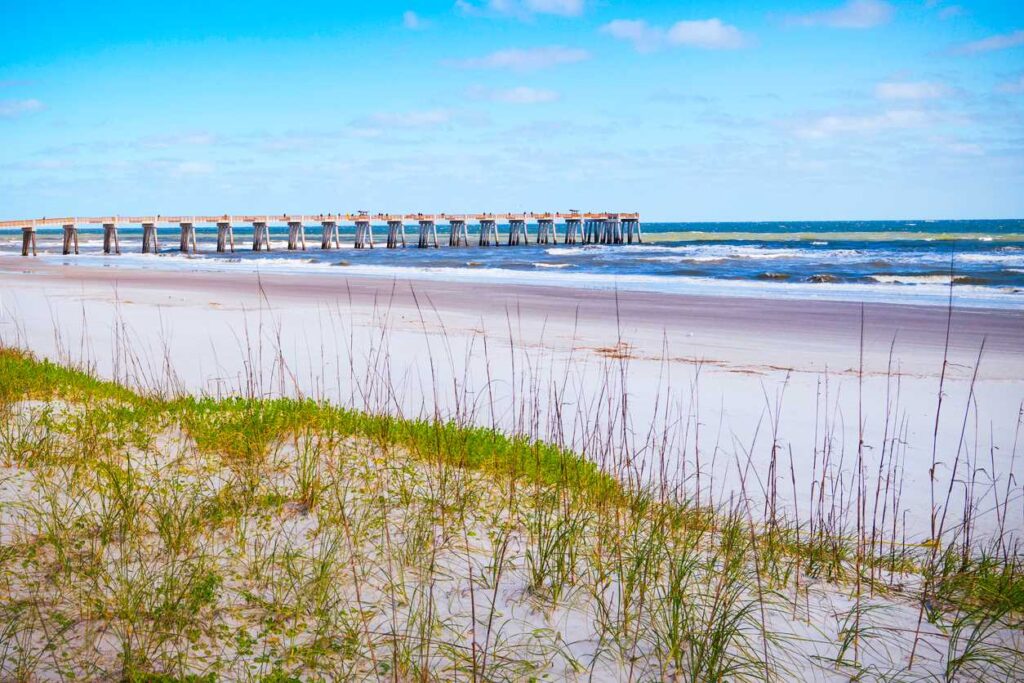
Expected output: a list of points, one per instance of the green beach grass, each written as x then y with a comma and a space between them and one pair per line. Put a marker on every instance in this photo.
184, 538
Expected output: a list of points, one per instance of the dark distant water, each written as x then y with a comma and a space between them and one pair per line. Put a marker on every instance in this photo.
879, 260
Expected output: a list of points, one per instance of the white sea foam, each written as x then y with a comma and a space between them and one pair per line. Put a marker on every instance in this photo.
932, 292
911, 279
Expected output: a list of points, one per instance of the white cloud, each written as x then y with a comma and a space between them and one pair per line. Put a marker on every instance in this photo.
429, 118
565, 8
833, 125
525, 60
1013, 86
852, 14
385, 124
521, 8
194, 168
644, 37
413, 21
11, 108
708, 34
520, 95
178, 140
916, 91
992, 43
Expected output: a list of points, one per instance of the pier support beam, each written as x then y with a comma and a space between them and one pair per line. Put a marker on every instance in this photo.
188, 238
613, 230
329, 239
396, 234
364, 234
428, 234
70, 238
150, 239
458, 236
631, 226
28, 240
517, 231
225, 237
488, 232
573, 230
546, 233
296, 235
111, 242
260, 236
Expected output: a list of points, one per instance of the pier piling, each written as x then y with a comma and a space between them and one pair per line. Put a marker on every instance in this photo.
329, 239
150, 239
632, 229
28, 240
396, 233
517, 231
111, 242
611, 230
260, 236
225, 236
488, 232
70, 237
296, 235
364, 234
546, 232
428, 234
573, 230
188, 238
458, 237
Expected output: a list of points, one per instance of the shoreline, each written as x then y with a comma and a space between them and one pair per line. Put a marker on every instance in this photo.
838, 322
933, 290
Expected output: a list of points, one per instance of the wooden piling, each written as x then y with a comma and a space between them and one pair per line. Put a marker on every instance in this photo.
330, 239
517, 233
546, 232
631, 226
428, 234
364, 234
225, 236
70, 237
296, 235
260, 236
458, 237
573, 230
28, 240
396, 233
488, 232
187, 242
111, 241
150, 240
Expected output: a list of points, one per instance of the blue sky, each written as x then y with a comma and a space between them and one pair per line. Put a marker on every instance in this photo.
823, 109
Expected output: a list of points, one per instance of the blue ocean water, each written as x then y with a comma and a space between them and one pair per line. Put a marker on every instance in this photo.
876, 260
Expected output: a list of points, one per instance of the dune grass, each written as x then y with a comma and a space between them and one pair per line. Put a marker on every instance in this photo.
147, 537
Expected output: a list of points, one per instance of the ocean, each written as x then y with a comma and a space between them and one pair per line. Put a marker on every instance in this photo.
888, 261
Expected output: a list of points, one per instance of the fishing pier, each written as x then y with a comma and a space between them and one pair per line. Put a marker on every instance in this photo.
577, 228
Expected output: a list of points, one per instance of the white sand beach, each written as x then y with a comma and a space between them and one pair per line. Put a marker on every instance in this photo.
729, 377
